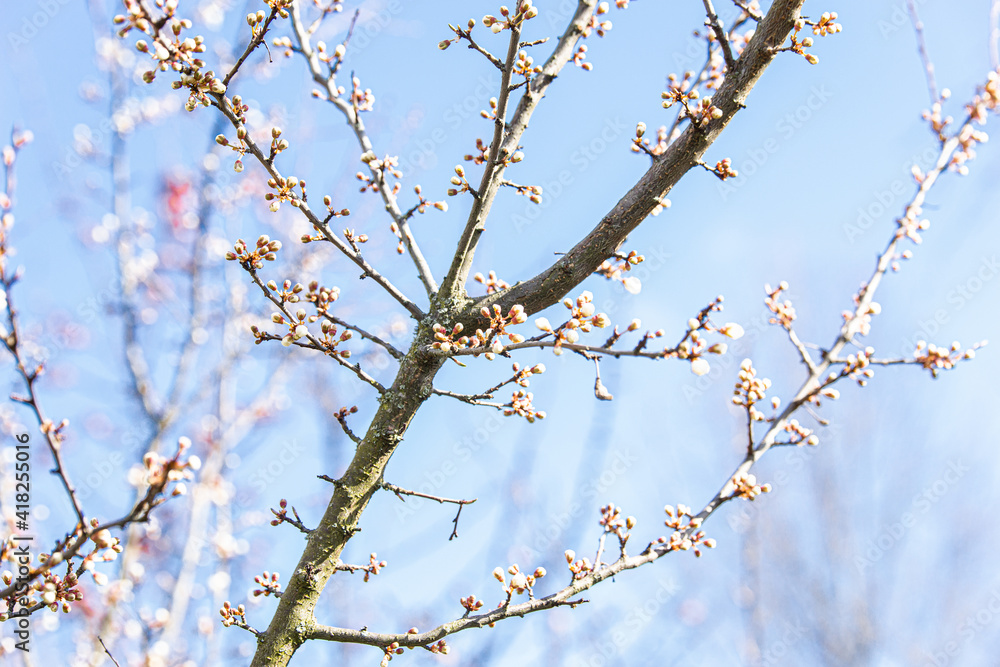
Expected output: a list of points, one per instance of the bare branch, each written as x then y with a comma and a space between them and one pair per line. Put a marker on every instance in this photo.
507, 138
571, 269
853, 325
400, 491
108, 652
918, 28
259, 32
314, 343
720, 34
329, 86
12, 339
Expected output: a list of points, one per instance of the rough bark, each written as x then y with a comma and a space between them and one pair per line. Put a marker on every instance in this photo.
293, 620
552, 284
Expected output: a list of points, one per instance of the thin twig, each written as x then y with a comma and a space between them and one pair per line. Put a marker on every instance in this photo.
506, 138
474, 45
257, 40
108, 652
315, 343
994, 38
328, 82
400, 491
918, 28
720, 34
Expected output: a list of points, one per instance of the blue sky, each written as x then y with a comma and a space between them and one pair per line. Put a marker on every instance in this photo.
818, 148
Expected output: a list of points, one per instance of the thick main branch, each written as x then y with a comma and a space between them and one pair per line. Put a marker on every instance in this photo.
575, 266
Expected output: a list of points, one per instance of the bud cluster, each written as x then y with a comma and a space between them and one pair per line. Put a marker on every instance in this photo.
798, 434
750, 390
231, 616
783, 310
583, 317
687, 535
158, 471
480, 156
746, 486
493, 284
281, 6
694, 345
458, 180
268, 583
724, 169
525, 66
613, 522
374, 566
266, 249
525, 11
447, 341
640, 144
936, 359
579, 568
532, 192
471, 604
363, 100
595, 24
910, 225
519, 581
284, 191
331, 58
521, 406
614, 271
826, 25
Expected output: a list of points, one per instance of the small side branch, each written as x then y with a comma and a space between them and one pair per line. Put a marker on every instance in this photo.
925, 58
720, 34
259, 33
314, 343
400, 492
327, 80
281, 516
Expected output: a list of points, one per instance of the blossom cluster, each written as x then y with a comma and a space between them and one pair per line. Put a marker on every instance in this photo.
264, 249
687, 535
746, 486
583, 317
454, 340
519, 582
616, 270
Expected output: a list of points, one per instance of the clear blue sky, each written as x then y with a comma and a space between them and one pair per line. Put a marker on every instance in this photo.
817, 147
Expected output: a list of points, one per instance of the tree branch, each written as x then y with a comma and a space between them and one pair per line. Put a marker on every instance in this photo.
504, 145
329, 86
574, 267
